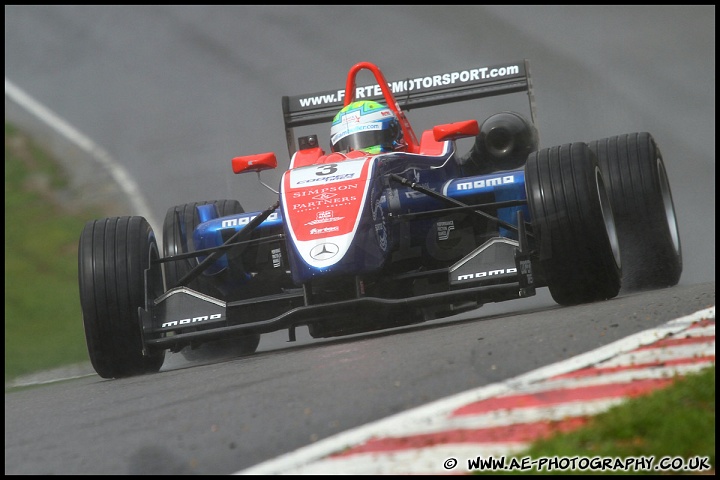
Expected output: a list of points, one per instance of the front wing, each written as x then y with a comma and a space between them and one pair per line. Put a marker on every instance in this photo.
499, 270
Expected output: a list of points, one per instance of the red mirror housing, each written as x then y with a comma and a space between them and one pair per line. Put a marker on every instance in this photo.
453, 131
254, 163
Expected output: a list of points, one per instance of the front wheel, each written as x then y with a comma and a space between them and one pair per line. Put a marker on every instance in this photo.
573, 218
113, 255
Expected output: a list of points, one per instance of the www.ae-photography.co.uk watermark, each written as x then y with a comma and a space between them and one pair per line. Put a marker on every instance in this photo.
592, 464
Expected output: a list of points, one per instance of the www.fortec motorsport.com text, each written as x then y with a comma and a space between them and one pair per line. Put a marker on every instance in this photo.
409, 85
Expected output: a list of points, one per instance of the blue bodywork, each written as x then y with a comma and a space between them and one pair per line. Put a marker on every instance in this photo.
378, 234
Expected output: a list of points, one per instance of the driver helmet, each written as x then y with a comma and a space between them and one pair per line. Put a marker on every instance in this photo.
368, 126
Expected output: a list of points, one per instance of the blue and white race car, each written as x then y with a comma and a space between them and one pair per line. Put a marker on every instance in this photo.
402, 232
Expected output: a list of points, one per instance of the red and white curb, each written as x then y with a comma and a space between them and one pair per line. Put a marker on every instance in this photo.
504, 418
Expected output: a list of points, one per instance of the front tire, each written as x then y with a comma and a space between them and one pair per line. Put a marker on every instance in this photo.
113, 255
572, 216
639, 189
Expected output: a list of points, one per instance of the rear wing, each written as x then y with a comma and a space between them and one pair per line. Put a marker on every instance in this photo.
409, 93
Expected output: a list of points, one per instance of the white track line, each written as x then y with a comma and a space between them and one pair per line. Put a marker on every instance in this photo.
117, 171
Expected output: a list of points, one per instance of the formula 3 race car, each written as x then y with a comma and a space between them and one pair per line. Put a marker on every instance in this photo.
363, 242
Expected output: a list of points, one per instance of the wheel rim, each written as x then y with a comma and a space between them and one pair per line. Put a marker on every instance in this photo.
668, 205
608, 217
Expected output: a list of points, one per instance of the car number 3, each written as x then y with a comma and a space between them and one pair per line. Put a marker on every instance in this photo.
328, 169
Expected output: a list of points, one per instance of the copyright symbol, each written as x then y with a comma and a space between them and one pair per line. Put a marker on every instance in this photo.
450, 463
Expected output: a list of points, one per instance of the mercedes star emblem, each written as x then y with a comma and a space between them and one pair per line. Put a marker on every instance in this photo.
324, 251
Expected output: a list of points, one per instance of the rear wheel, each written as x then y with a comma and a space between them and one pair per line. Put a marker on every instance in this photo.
178, 227
572, 215
639, 190
113, 255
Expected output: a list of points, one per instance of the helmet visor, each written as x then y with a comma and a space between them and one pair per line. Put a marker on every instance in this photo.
362, 140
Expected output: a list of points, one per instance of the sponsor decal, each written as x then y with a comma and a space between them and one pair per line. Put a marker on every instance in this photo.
485, 183
325, 174
239, 221
444, 229
413, 194
490, 273
416, 84
324, 196
188, 321
362, 128
323, 203
319, 231
324, 251
312, 192
324, 217
334, 178
526, 269
353, 116
276, 255
307, 201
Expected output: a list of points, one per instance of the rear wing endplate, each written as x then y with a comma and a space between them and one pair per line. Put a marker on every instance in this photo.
473, 83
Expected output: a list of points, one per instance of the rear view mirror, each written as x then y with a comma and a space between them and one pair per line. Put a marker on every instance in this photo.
254, 163
453, 131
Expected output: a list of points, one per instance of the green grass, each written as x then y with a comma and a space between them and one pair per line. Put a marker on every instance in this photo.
43, 325
670, 422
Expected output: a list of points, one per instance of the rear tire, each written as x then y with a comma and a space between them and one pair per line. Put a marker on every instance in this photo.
639, 189
572, 216
113, 255
178, 227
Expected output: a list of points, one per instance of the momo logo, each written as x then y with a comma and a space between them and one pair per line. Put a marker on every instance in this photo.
324, 251
486, 183
490, 273
238, 221
188, 321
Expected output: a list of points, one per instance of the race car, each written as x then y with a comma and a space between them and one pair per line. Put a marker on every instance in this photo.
359, 241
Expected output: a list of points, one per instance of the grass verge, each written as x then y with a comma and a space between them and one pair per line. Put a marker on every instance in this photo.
43, 322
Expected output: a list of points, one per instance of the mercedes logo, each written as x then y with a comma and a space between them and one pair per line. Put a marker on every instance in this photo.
324, 251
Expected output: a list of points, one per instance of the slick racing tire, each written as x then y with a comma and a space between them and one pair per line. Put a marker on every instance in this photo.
639, 190
113, 255
178, 227
572, 216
